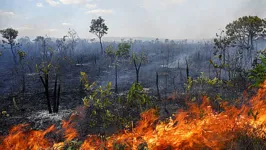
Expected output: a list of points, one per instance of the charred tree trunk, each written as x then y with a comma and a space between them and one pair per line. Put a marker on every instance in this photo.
116, 76
23, 82
46, 87
157, 86
58, 98
137, 75
137, 68
95, 59
55, 95
187, 69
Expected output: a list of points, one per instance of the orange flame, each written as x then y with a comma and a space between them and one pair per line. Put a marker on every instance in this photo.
70, 132
19, 139
197, 127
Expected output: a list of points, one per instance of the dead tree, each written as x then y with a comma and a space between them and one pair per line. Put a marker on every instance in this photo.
44, 71
157, 86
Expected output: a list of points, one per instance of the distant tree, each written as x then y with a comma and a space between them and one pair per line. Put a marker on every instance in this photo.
221, 44
138, 61
24, 40
99, 28
43, 42
22, 56
245, 30
241, 34
73, 37
61, 45
10, 36
117, 56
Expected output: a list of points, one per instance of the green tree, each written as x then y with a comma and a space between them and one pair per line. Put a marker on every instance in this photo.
73, 37
138, 60
258, 72
241, 34
43, 41
22, 56
245, 30
117, 56
10, 36
99, 28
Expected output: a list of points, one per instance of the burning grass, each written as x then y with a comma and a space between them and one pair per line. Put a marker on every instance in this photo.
198, 127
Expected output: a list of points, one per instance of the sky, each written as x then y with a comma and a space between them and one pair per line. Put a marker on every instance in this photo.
172, 19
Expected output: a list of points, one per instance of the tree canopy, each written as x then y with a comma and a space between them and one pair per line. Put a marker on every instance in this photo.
98, 27
10, 35
245, 30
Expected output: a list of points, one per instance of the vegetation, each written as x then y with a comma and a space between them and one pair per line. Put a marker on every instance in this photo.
206, 85
44, 71
99, 28
118, 57
258, 73
10, 36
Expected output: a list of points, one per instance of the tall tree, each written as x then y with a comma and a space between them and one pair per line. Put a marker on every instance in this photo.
10, 36
221, 44
43, 42
245, 30
73, 37
99, 28
117, 57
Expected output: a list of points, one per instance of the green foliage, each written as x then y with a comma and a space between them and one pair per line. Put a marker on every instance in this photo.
4, 113
137, 96
109, 51
202, 80
98, 100
98, 27
10, 35
123, 50
222, 42
258, 73
189, 84
245, 27
84, 80
139, 58
21, 55
44, 68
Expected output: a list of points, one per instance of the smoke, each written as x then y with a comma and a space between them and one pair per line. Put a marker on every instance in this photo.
252, 7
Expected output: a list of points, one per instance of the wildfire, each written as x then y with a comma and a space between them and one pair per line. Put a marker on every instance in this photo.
197, 127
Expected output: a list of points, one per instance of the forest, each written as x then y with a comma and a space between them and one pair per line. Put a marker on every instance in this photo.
73, 93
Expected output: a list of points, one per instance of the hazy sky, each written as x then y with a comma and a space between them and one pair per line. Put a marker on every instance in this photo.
174, 19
